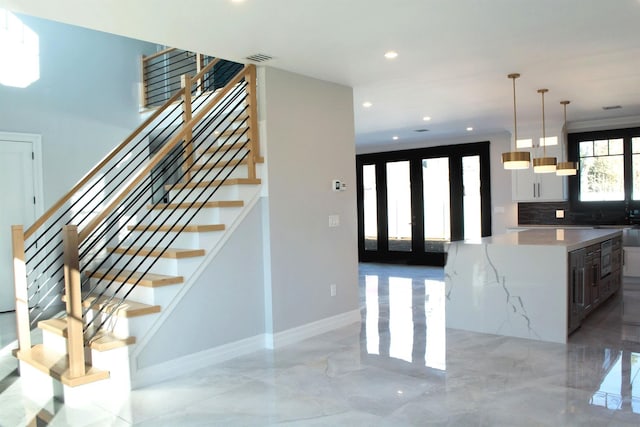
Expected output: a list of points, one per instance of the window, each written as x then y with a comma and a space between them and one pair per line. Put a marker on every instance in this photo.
19, 52
601, 170
609, 168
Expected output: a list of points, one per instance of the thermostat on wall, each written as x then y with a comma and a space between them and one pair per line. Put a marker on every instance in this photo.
337, 185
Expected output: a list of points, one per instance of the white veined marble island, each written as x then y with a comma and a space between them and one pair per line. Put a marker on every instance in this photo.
537, 284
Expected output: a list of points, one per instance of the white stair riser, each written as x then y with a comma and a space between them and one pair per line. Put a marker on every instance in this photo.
211, 141
124, 327
241, 171
203, 217
225, 192
116, 361
185, 240
221, 157
161, 295
54, 341
168, 266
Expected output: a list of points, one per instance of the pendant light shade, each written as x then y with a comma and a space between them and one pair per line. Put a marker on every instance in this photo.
544, 164
566, 168
515, 159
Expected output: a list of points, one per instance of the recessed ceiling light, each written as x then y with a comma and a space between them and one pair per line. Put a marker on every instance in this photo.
237, 1
469, 129
395, 138
391, 54
366, 104
426, 118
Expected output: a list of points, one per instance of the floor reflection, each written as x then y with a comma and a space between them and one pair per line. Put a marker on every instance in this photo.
403, 314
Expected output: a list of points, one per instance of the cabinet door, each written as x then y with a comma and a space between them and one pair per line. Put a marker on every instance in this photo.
527, 186
552, 187
524, 186
576, 291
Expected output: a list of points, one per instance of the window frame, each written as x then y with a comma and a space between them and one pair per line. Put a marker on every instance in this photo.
573, 144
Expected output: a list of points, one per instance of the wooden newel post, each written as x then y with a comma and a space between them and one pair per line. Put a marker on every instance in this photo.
254, 143
186, 116
23, 323
75, 324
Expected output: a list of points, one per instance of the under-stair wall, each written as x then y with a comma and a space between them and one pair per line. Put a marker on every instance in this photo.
220, 316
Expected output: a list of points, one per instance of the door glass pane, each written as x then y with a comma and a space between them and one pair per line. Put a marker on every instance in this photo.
635, 165
370, 208
399, 206
471, 197
437, 217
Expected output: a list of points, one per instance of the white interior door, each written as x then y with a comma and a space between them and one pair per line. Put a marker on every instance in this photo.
17, 203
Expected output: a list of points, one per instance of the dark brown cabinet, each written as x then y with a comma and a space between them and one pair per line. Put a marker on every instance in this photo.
595, 273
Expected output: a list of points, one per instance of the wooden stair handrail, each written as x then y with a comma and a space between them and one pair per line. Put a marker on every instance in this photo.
160, 154
205, 70
49, 213
160, 53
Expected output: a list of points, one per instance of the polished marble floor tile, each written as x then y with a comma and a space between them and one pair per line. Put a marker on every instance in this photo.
400, 366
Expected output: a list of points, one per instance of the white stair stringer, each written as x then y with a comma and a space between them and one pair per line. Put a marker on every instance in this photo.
138, 375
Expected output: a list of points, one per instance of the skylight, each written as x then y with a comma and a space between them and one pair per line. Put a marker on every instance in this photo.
19, 52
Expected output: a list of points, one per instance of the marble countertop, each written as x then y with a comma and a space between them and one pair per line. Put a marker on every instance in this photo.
569, 238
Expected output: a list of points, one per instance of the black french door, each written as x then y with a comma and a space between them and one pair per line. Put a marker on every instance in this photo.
412, 202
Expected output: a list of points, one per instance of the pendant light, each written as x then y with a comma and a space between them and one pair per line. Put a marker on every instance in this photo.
566, 168
515, 159
544, 164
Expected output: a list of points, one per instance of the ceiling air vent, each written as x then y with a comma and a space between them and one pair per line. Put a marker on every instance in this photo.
259, 57
612, 107
421, 130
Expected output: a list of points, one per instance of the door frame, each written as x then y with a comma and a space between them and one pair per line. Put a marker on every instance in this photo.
38, 182
414, 157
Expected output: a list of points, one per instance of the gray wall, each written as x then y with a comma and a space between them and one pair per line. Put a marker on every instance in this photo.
225, 305
85, 103
309, 141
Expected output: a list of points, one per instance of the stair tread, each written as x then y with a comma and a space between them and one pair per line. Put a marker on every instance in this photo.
103, 341
174, 253
191, 228
57, 366
230, 181
149, 280
126, 309
212, 165
196, 205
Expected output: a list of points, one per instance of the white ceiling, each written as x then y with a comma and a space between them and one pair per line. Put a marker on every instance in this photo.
454, 55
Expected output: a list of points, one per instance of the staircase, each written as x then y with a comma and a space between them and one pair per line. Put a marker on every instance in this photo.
133, 238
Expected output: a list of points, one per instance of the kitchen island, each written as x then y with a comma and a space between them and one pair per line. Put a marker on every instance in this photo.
537, 284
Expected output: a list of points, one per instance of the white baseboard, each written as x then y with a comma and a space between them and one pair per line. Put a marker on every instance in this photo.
187, 364
300, 333
192, 362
